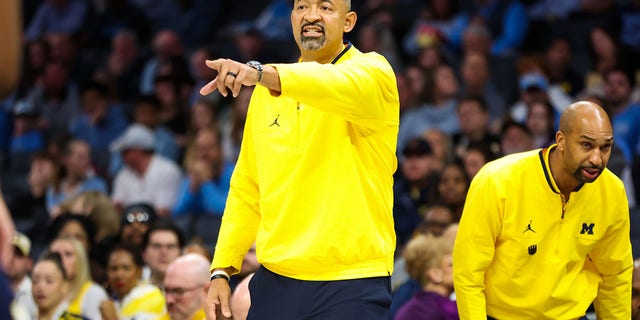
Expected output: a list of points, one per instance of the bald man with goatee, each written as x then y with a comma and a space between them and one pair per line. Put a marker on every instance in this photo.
545, 233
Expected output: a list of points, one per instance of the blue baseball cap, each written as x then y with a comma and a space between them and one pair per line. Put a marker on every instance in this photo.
533, 80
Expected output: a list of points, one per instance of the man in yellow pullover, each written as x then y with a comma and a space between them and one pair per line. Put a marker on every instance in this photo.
314, 179
545, 233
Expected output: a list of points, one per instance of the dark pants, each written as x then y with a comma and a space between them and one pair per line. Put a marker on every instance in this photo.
276, 297
6, 296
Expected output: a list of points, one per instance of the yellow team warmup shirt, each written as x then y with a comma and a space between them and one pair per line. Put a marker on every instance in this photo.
522, 252
314, 178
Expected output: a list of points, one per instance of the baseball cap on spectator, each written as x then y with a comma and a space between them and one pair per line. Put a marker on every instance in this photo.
532, 80
417, 147
137, 136
24, 108
22, 243
139, 212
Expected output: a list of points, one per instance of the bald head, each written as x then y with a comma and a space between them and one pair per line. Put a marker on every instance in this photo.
584, 115
192, 264
241, 299
186, 283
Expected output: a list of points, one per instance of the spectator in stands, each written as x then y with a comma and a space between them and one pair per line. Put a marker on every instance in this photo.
241, 299
58, 16
185, 287
473, 116
476, 156
97, 206
625, 116
136, 220
122, 66
476, 80
378, 37
440, 143
99, 123
84, 296
624, 113
28, 207
166, 45
66, 50
50, 288
605, 53
434, 24
118, 16
437, 106
132, 297
26, 138
541, 121
75, 175
413, 189
428, 260
515, 137
173, 94
18, 271
203, 115
453, 184
161, 245
201, 74
436, 219
146, 110
203, 193
506, 20
146, 177
405, 92
56, 99
534, 87
558, 69
36, 55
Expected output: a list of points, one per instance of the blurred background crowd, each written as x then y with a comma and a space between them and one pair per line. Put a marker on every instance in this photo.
106, 135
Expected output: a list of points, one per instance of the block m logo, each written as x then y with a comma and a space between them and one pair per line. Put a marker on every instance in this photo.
588, 229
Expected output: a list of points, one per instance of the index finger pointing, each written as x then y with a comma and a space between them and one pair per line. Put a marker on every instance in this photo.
214, 64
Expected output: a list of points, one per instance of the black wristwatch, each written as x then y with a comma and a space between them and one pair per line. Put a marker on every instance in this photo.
258, 66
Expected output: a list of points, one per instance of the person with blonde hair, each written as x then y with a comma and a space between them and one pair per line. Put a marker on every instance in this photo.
84, 296
428, 260
98, 207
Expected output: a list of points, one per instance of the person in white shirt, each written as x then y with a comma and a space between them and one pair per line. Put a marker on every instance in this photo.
18, 273
146, 176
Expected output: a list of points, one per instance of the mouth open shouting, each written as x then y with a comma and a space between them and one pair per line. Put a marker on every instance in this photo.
312, 36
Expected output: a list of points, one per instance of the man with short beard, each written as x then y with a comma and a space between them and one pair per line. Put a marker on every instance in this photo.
545, 233
313, 185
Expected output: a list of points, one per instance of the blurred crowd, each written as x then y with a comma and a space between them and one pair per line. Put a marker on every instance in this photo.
107, 137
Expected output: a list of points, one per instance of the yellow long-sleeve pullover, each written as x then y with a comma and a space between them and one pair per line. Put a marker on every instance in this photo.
314, 180
522, 252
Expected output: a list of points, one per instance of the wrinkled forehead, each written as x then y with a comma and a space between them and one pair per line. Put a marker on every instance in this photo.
347, 3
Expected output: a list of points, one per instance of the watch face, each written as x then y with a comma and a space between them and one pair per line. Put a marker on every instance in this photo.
254, 64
